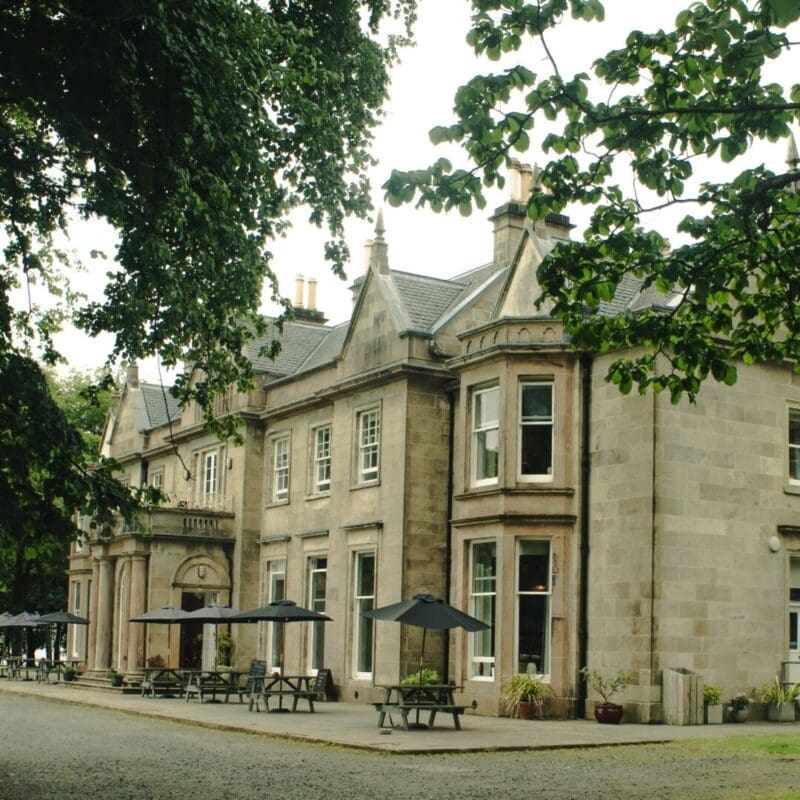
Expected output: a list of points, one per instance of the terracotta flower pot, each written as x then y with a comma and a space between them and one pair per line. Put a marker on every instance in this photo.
526, 710
608, 713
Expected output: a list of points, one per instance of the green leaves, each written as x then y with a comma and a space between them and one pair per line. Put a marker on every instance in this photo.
193, 128
664, 109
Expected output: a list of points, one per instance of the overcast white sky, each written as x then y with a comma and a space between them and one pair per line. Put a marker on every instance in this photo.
422, 91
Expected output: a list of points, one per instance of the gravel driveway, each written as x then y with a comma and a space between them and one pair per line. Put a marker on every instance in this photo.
49, 750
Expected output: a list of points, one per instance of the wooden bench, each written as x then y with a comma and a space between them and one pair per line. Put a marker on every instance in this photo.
212, 682
403, 710
164, 682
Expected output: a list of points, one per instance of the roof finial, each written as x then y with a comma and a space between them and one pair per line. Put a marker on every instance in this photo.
380, 228
792, 156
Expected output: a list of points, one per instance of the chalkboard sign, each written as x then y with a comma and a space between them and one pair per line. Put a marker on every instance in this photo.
255, 678
323, 685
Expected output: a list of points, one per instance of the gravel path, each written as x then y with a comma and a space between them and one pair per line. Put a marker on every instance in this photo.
52, 750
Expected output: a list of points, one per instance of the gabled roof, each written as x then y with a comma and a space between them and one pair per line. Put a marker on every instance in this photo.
425, 298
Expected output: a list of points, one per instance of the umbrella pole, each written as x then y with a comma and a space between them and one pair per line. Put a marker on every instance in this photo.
422, 655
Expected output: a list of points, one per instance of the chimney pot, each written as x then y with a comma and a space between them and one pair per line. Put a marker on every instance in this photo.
299, 283
312, 294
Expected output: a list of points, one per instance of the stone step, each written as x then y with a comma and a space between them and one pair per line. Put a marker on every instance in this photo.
102, 685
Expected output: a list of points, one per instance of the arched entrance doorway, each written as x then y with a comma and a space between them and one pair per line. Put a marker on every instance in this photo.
198, 581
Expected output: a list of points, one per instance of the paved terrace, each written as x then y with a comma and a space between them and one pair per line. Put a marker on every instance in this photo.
355, 724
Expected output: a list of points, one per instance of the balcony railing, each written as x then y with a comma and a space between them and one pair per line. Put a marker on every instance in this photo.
194, 501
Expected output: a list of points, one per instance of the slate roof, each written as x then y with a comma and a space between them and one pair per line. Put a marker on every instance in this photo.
425, 298
298, 341
158, 405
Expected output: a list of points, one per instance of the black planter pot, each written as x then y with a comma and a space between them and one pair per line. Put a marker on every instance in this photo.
608, 713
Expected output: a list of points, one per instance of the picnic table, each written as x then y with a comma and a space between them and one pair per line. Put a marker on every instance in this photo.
19, 668
434, 698
163, 681
296, 687
46, 668
203, 682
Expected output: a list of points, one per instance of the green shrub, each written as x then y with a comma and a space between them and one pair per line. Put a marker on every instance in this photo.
712, 694
778, 693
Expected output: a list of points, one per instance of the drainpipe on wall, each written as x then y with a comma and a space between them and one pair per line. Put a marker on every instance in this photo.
586, 470
448, 551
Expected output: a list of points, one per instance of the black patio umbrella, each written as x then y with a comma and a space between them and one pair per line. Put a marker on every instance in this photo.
62, 618
165, 615
24, 620
281, 611
426, 611
59, 618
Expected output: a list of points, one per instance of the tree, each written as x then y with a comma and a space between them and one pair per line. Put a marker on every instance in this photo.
650, 114
33, 551
193, 127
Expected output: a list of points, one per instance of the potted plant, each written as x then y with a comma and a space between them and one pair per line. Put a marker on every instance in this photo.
712, 695
524, 696
115, 678
739, 707
780, 700
69, 673
224, 649
607, 712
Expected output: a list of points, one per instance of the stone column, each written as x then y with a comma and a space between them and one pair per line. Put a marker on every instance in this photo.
104, 615
137, 580
123, 612
91, 640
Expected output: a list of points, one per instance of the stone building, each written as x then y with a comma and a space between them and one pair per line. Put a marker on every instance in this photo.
447, 439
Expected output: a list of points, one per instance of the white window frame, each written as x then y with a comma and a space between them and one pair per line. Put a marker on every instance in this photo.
361, 603
78, 631
482, 667
369, 445
793, 446
281, 464
322, 442
317, 566
480, 429
533, 477
209, 472
157, 478
546, 591
275, 630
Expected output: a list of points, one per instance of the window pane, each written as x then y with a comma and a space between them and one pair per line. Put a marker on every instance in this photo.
537, 450
534, 567
487, 445
794, 426
482, 606
487, 409
534, 614
537, 402
364, 601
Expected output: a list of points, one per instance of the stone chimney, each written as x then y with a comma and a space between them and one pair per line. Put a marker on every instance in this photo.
132, 375
509, 219
306, 312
